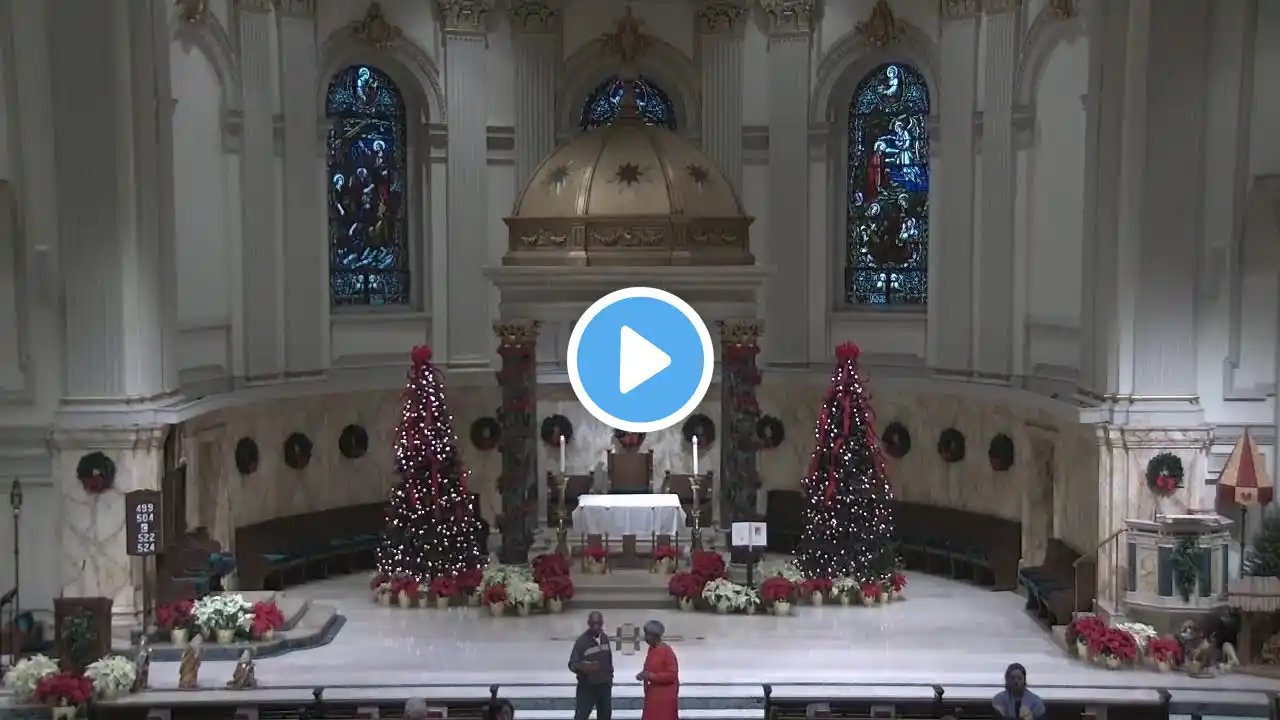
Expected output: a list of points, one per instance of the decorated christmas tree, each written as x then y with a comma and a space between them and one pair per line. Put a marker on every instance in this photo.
848, 523
431, 524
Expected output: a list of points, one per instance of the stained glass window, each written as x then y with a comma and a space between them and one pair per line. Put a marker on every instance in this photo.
601, 106
886, 260
368, 223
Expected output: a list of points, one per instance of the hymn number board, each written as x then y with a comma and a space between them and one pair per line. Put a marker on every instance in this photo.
142, 510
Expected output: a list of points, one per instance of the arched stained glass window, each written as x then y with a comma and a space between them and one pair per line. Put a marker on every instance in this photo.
887, 255
601, 106
368, 222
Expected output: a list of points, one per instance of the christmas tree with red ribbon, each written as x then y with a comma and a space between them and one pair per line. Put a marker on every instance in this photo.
848, 520
431, 521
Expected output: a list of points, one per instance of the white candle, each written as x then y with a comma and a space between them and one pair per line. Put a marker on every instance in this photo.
562, 454
695, 455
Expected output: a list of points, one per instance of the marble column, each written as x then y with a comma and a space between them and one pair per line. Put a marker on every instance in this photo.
739, 499
790, 25
113, 139
536, 49
951, 295
94, 562
523, 496
468, 312
720, 26
993, 310
262, 332
306, 258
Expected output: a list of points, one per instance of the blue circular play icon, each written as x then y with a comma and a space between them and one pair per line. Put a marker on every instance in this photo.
640, 359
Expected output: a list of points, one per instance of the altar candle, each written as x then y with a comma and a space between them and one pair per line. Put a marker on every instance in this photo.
561, 454
695, 455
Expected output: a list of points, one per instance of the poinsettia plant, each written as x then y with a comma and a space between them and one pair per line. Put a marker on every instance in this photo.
897, 581
706, 564
470, 580
1089, 630
1165, 650
596, 553
175, 615
407, 585
267, 617
64, 689
380, 583
443, 587
1120, 644
495, 595
557, 587
822, 586
777, 589
871, 589
685, 586
550, 565
665, 552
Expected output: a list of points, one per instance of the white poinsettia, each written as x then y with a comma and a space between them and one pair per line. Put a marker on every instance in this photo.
112, 675
1142, 633
523, 592
228, 611
846, 586
22, 678
726, 592
506, 575
786, 570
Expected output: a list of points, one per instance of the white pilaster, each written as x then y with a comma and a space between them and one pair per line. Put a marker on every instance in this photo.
789, 24
113, 137
536, 26
469, 311
951, 256
306, 296
994, 269
720, 26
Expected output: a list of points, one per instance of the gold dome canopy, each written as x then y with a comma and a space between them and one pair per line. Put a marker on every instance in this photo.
628, 194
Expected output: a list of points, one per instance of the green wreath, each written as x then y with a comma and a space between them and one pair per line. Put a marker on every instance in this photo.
1164, 474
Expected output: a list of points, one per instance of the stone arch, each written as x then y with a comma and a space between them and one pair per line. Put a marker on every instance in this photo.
851, 58
209, 36
403, 61
1047, 31
592, 63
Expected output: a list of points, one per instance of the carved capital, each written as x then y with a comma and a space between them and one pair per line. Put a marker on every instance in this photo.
254, 6
996, 7
192, 11
535, 16
513, 332
1062, 9
465, 16
722, 17
295, 8
789, 17
960, 9
740, 333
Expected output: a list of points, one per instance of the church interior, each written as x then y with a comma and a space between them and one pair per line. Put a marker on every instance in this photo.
1043, 232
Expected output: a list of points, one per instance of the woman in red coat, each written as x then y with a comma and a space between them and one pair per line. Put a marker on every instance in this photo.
661, 676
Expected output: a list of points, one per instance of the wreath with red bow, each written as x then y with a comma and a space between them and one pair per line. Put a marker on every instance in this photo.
628, 440
96, 472
1164, 474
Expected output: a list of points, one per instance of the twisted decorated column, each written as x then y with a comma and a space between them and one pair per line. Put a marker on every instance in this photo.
740, 411
518, 483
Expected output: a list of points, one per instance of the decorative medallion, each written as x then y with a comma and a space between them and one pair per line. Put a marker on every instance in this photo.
789, 16
721, 16
629, 174
374, 28
468, 16
627, 42
1062, 9
533, 14
192, 11
881, 27
558, 177
698, 174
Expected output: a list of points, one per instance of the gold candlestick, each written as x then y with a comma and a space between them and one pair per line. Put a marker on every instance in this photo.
696, 540
562, 535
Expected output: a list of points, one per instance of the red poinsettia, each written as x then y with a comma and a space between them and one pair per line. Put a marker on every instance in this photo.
469, 581
174, 615
870, 589
407, 585
1089, 630
777, 589
379, 579
557, 587
266, 618
549, 566
596, 553
1120, 644
686, 586
706, 564
67, 689
495, 594
816, 585
897, 581
1165, 650
443, 587
665, 552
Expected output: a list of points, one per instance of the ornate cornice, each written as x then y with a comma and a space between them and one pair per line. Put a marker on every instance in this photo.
789, 17
743, 333
517, 332
137, 438
960, 9
722, 17
295, 8
465, 16
536, 16
996, 7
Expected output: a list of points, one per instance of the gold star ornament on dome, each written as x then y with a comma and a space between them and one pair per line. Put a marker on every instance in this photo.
558, 177
698, 174
629, 174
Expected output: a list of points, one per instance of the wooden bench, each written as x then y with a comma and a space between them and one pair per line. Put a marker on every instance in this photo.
191, 567
290, 550
1064, 585
965, 545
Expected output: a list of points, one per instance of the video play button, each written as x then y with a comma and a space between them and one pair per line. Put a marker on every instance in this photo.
640, 360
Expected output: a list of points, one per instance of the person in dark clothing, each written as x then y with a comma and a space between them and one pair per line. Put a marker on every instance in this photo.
500, 709
592, 661
1016, 701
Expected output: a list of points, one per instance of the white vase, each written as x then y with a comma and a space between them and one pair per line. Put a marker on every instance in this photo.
555, 605
782, 608
473, 600
224, 637
497, 609
63, 712
844, 600
1113, 662
442, 603
384, 599
1082, 650
883, 599
178, 637
867, 599
815, 598
896, 595
750, 609
403, 599
267, 635
722, 607
1163, 666
522, 610
686, 604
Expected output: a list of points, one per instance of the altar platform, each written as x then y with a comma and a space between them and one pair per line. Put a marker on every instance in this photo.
947, 632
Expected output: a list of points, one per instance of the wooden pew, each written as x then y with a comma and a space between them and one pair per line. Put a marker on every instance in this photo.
972, 546
1060, 587
290, 550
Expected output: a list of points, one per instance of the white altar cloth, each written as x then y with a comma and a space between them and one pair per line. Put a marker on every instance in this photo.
639, 515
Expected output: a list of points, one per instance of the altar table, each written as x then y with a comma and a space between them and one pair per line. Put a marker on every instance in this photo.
638, 515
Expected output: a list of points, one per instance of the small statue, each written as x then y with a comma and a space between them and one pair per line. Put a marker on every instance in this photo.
142, 666
189, 666
243, 677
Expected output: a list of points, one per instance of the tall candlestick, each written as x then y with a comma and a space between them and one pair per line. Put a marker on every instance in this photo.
695, 454
562, 454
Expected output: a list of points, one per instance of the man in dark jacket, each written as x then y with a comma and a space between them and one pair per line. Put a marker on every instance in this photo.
592, 661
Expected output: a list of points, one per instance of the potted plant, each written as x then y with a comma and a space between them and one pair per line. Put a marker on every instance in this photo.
817, 589
1118, 648
664, 559
524, 595
220, 617
443, 589
381, 587
886, 588
111, 676
706, 564
869, 592
64, 693
1166, 652
555, 591
175, 619
897, 584
550, 565
405, 590
596, 559
24, 676
495, 596
267, 619
686, 588
726, 596
1085, 634
846, 590
469, 583
776, 592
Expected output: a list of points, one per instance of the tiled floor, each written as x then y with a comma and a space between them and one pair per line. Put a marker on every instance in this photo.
946, 632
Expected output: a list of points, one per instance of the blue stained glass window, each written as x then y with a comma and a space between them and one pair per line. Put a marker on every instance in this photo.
368, 221
887, 254
601, 106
